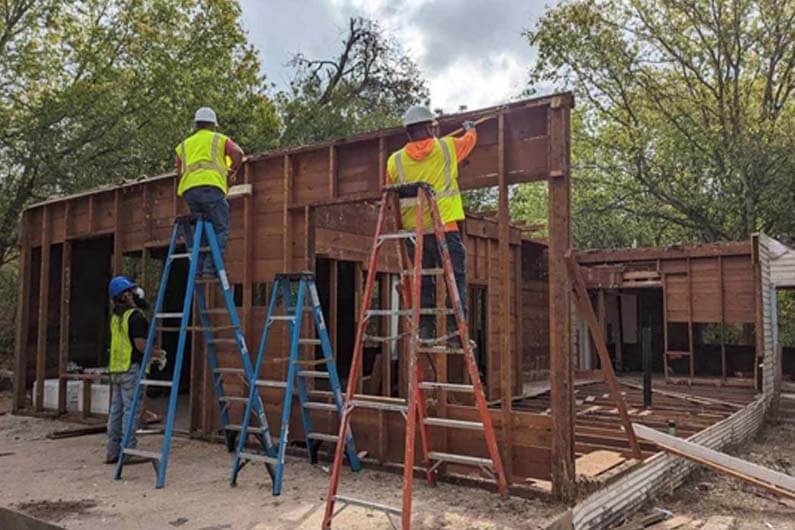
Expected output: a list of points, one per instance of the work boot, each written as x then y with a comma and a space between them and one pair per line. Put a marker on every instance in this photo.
111, 459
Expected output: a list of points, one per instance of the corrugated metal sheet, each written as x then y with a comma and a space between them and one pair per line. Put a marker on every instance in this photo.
662, 472
782, 264
769, 358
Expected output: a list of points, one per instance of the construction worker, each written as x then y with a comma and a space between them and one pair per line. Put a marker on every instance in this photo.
427, 158
128, 330
204, 161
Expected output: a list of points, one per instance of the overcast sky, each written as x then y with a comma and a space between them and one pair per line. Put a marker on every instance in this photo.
471, 52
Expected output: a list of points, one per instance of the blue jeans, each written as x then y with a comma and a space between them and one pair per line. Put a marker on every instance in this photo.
210, 202
431, 258
122, 388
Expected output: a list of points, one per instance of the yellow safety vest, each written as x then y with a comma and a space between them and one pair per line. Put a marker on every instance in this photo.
121, 347
202, 160
440, 170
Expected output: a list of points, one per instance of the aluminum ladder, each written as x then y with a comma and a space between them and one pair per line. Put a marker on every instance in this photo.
293, 290
202, 240
416, 410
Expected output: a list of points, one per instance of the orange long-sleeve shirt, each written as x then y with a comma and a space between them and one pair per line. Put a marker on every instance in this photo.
420, 150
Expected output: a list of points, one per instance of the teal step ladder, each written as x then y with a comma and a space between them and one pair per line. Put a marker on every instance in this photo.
200, 241
292, 289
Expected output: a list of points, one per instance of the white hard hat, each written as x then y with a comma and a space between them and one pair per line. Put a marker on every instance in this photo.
206, 114
417, 114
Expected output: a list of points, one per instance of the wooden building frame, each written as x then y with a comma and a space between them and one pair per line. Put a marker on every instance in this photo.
279, 226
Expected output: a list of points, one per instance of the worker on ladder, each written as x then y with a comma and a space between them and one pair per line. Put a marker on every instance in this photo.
204, 161
128, 329
427, 158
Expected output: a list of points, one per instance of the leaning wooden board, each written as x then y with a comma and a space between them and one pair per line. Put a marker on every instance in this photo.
774, 481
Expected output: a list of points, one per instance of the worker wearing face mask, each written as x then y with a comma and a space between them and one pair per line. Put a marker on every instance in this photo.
128, 332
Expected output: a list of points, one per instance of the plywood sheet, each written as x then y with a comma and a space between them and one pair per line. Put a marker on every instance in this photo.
597, 462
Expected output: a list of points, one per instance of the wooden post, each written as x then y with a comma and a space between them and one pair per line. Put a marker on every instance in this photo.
722, 320
602, 313
506, 325
665, 326
63, 347
117, 249
561, 373
44, 288
23, 317
332, 171
586, 311
690, 320
287, 247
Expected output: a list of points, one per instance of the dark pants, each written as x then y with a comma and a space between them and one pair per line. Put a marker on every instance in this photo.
431, 258
210, 202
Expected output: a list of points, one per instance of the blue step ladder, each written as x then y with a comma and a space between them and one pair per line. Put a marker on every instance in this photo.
200, 241
292, 289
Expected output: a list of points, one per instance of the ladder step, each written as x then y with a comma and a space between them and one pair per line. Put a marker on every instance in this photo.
207, 279
403, 234
168, 315
378, 405
251, 429
460, 459
458, 424
229, 371
387, 312
314, 405
232, 399
307, 340
269, 383
424, 272
254, 457
155, 382
441, 349
151, 455
182, 255
313, 373
452, 387
367, 504
310, 362
323, 437
212, 328
222, 341
282, 317
377, 338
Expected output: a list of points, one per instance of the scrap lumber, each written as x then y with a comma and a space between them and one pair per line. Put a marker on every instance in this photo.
586, 311
597, 462
701, 400
773, 481
73, 433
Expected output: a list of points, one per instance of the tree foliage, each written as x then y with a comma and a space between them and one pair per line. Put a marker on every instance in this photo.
684, 127
366, 86
95, 91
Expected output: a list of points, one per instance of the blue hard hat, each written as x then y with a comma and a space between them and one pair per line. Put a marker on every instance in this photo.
119, 284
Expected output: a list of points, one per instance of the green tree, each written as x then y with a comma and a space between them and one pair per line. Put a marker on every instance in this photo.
684, 128
96, 91
367, 86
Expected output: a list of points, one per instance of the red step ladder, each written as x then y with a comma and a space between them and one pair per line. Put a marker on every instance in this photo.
416, 410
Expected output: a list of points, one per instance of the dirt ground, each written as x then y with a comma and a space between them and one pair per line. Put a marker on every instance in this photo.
726, 503
65, 482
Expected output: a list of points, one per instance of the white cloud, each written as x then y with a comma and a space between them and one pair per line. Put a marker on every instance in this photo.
471, 52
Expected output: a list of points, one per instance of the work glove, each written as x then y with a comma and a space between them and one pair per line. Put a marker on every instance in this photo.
468, 125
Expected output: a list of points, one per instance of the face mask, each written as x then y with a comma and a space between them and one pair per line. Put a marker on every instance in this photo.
139, 300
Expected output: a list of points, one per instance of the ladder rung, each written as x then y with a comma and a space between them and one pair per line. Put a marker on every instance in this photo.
313, 373
452, 387
460, 459
155, 382
441, 349
222, 340
377, 405
282, 317
253, 457
151, 455
377, 338
232, 399
215, 311
207, 279
403, 234
181, 255
229, 371
314, 405
436, 311
212, 328
168, 315
424, 272
306, 340
367, 504
269, 383
323, 437
387, 312
250, 430
458, 424
310, 362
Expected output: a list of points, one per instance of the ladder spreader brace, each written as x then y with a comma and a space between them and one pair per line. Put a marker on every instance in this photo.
416, 411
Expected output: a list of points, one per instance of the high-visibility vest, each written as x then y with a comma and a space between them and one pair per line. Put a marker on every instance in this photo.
121, 347
440, 170
202, 161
